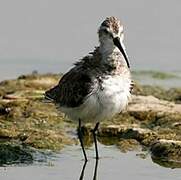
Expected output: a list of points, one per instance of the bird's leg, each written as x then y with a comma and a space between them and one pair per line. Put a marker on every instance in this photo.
95, 139
81, 140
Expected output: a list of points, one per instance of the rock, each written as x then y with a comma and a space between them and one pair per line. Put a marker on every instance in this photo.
144, 136
13, 154
152, 104
172, 94
37, 124
31, 121
166, 151
126, 145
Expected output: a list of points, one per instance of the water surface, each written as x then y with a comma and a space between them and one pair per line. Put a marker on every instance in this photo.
49, 36
113, 165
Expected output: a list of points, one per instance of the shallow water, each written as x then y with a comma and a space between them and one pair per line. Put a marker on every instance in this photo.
113, 164
57, 34
145, 77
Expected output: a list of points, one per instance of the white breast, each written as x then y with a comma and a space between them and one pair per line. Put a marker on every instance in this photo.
109, 99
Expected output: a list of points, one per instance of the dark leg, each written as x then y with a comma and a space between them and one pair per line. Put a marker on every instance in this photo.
95, 139
80, 139
83, 169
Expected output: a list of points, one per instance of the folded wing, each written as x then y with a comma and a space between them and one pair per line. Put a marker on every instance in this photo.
72, 89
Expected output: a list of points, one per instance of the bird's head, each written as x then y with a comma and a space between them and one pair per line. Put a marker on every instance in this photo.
111, 35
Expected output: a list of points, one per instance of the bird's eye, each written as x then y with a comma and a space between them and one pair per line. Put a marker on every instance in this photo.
105, 31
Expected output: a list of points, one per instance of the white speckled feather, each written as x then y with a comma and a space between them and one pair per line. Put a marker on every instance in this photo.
109, 99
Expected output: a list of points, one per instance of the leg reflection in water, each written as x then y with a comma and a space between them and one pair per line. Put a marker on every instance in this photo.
84, 167
82, 172
95, 170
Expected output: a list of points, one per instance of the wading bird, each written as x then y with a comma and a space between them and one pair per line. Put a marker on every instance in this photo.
99, 85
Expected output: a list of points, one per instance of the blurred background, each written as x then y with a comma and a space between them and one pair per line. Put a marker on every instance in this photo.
50, 35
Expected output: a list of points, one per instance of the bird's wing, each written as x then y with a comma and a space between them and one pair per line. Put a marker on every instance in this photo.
72, 89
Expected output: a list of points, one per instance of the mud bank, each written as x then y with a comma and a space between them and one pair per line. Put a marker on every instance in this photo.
152, 120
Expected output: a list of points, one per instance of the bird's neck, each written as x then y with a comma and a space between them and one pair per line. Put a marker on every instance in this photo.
108, 52
107, 48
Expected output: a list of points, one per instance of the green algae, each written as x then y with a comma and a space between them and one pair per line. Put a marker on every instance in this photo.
172, 94
37, 123
34, 123
13, 154
155, 74
166, 151
126, 145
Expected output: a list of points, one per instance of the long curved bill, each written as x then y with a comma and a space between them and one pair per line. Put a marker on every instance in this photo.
120, 47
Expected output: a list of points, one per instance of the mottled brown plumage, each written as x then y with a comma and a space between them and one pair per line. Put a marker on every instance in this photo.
84, 79
99, 85
81, 86
112, 22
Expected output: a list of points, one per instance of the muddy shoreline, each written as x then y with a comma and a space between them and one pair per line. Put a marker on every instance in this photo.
152, 121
